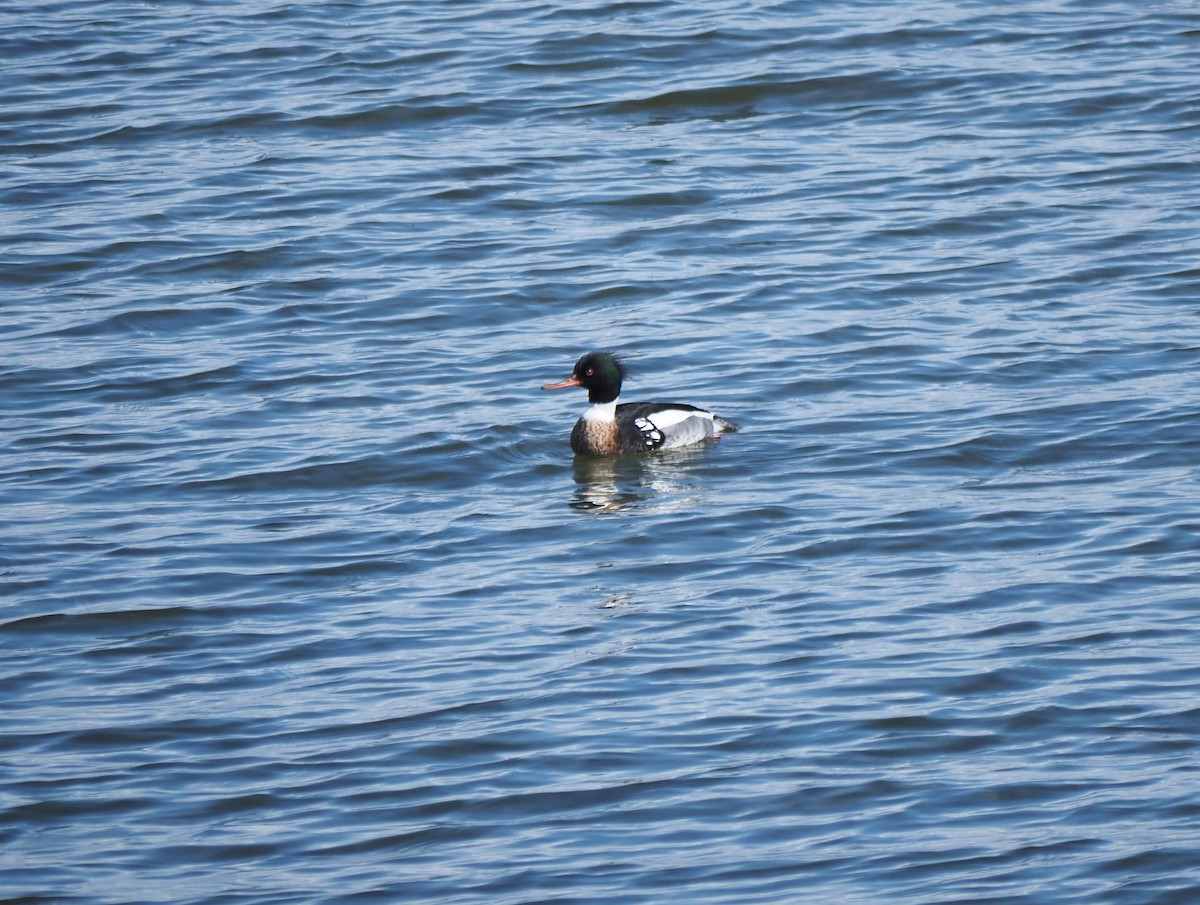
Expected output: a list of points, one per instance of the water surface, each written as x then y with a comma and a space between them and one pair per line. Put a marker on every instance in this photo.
306, 600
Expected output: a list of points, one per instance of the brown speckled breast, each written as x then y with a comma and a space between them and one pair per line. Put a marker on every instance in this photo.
595, 438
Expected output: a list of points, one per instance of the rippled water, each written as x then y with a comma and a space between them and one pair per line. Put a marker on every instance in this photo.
305, 599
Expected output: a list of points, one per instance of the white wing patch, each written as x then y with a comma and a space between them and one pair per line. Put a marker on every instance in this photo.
668, 418
675, 427
651, 435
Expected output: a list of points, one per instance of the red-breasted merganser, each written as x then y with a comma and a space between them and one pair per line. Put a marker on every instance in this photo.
608, 428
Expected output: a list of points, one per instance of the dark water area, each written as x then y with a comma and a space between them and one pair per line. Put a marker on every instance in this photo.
304, 599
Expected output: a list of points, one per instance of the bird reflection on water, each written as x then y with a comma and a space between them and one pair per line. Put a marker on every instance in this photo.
658, 481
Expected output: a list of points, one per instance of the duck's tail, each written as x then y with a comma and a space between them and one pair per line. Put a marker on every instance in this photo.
723, 425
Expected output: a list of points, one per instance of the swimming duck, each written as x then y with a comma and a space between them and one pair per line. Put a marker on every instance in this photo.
608, 428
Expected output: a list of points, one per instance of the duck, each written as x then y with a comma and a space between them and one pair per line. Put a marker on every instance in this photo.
609, 427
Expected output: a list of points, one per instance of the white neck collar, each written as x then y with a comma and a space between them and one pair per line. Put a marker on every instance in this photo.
601, 411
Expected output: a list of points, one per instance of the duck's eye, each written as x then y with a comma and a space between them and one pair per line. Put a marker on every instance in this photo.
590, 372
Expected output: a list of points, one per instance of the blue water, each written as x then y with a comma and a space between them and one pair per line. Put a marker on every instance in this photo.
305, 599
